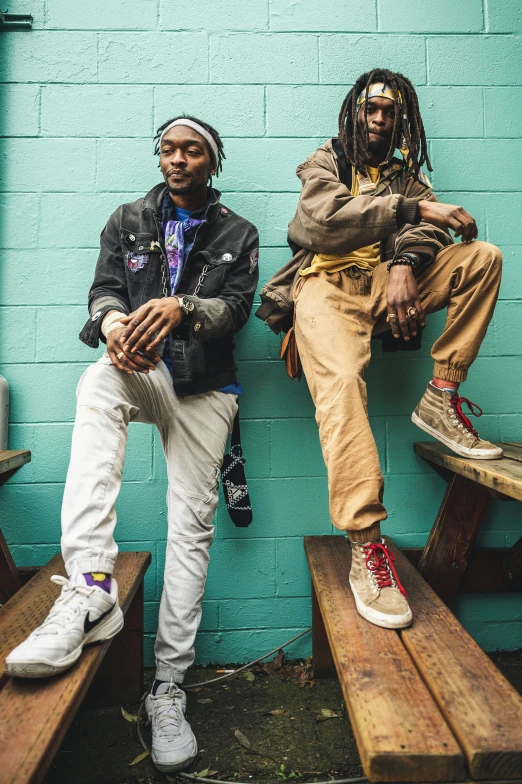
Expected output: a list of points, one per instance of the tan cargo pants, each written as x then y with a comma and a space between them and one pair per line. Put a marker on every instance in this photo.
336, 315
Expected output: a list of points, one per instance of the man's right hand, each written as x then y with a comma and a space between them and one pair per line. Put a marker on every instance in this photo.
449, 216
128, 363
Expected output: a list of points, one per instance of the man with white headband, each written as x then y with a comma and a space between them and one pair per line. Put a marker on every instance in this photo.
372, 256
175, 279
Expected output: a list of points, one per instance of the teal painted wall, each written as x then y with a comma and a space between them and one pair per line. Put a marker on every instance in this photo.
83, 93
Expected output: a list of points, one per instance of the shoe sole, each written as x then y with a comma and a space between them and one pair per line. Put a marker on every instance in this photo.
460, 450
43, 668
178, 766
378, 618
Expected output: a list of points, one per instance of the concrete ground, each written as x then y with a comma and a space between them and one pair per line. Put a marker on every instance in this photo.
297, 729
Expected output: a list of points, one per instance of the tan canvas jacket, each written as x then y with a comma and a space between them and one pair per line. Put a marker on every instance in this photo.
330, 220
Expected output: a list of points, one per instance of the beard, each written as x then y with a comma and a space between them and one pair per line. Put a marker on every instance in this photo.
183, 190
379, 146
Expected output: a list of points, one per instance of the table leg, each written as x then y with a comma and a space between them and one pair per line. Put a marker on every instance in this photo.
322, 659
119, 680
10, 581
513, 566
445, 556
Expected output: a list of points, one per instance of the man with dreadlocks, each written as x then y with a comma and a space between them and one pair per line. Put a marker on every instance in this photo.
175, 278
373, 253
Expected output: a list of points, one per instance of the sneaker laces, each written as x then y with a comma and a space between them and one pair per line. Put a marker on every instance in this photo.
168, 714
456, 402
64, 610
380, 562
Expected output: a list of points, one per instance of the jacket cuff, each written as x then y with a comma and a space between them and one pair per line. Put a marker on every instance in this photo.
407, 211
92, 333
211, 318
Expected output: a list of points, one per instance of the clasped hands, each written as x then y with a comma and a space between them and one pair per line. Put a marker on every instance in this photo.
133, 347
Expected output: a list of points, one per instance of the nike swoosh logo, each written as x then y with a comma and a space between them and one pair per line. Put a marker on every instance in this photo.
89, 625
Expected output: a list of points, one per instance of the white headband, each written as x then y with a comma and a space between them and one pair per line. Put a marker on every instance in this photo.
195, 127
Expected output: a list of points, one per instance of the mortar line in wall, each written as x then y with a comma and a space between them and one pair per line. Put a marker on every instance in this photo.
122, 84
40, 99
484, 113
377, 16
249, 31
427, 61
265, 121
259, 137
485, 10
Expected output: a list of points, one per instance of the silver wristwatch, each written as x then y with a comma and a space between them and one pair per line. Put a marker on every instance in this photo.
186, 305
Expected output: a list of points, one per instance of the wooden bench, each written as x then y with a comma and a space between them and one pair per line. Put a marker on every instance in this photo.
447, 561
426, 704
35, 714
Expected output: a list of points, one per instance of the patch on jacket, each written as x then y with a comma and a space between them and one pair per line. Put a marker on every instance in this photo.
254, 258
136, 261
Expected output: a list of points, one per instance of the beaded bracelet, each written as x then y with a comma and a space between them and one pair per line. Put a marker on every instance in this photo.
410, 262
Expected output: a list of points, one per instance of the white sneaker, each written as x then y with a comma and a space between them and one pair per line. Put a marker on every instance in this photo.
174, 746
81, 614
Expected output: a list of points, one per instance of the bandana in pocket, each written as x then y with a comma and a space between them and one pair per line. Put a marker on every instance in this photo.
136, 261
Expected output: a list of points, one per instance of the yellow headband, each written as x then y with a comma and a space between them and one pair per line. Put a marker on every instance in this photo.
378, 90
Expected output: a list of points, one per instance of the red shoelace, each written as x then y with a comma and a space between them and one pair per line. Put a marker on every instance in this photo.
380, 561
456, 403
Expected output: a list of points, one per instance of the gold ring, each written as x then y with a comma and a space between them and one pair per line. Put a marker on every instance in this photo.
120, 355
392, 316
412, 312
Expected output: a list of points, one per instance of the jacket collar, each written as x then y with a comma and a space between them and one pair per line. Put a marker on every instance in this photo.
154, 199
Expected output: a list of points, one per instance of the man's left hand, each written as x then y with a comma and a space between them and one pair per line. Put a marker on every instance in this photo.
403, 301
150, 324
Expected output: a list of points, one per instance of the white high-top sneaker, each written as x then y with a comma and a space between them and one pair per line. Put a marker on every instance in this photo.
174, 746
81, 614
379, 595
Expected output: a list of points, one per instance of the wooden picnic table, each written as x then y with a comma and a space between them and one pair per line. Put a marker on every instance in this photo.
10, 462
36, 713
471, 485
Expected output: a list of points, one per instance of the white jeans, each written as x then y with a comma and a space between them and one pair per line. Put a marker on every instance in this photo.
194, 432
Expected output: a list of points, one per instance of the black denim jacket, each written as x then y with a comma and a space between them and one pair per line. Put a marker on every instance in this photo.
220, 277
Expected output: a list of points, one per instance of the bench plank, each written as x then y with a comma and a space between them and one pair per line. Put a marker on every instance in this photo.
400, 732
502, 476
481, 707
37, 713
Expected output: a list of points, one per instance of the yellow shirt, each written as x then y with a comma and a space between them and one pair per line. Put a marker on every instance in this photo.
365, 258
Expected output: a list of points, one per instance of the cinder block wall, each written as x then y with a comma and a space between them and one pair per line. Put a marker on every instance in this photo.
83, 94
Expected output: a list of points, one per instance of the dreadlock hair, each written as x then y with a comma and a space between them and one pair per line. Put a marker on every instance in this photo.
212, 131
408, 127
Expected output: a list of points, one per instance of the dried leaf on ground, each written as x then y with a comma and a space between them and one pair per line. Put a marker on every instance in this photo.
129, 716
249, 676
202, 773
277, 712
139, 758
205, 701
241, 739
272, 666
326, 714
